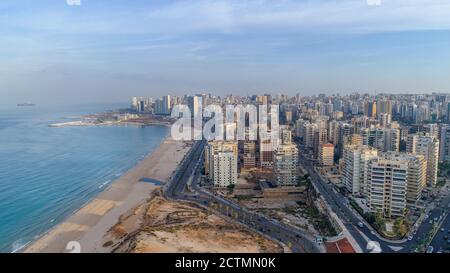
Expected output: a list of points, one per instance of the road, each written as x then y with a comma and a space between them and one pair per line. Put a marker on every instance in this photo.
337, 203
441, 242
189, 172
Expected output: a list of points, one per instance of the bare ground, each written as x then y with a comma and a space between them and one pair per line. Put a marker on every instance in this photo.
162, 226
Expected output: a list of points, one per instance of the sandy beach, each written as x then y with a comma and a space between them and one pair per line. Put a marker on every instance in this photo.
89, 224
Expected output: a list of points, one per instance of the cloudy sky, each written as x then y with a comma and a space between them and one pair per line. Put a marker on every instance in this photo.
110, 50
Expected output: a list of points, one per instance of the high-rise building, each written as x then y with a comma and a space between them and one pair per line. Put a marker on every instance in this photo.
391, 139
249, 155
444, 153
221, 161
326, 154
428, 146
390, 175
163, 106
448, 111
432, 129
345, 130
320, 137
285, 162
384, 107
417, 176
370, 109
266, 153
306, 130
355, 163
135, 104
262, 100
385, 119
288, 117
195, 105
166, 105
216, 146
383, 139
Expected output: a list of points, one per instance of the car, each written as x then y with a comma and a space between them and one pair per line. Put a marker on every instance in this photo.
430, 249
360, 224
442, 229
410, 238
319, 240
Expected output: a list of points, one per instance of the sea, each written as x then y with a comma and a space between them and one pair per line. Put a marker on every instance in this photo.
48, 173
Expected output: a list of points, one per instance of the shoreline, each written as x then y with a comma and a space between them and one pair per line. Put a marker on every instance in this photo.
79, 123
88, 224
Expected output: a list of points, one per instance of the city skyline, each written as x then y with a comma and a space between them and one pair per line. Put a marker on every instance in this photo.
54, 52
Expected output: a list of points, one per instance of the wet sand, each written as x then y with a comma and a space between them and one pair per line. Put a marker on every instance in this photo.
89, 224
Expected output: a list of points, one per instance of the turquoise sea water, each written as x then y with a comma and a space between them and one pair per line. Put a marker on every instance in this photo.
48, 173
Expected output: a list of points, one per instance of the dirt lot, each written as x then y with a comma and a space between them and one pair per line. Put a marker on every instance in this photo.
161, 226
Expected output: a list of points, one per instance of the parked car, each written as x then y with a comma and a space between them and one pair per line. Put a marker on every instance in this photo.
430, 249
360, 224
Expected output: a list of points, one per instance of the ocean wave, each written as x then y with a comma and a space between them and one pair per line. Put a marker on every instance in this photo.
19, 245
104, 184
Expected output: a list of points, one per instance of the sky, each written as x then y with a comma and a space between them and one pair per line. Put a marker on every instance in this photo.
110, 50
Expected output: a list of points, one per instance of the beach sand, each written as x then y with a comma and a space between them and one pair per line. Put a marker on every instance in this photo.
88, 225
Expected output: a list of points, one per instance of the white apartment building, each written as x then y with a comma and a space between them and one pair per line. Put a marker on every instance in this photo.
444, 153
392, 179
428, 146
326, 154
383, 139
221, 159
355, 163
285, 162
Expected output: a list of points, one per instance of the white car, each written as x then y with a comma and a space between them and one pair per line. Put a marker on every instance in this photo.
410, 238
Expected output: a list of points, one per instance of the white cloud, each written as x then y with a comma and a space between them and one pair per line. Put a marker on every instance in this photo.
289, 15
237, 16
374, 2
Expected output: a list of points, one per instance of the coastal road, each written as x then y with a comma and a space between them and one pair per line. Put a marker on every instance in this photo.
337, 205
441, 239
189, 172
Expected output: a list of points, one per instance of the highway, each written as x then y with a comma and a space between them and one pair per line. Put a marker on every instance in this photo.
189, 172
441, 239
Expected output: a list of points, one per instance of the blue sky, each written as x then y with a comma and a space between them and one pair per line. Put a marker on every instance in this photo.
110, 50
